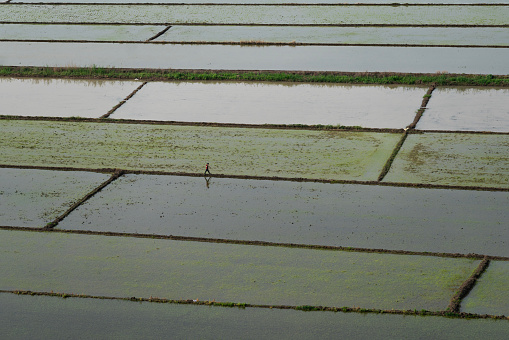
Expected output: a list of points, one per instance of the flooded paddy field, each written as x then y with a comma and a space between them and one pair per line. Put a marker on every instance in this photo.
127, 267
339, 35
78, 32
453, 159
52, 317
489, 296
33, 198
239, 151
393, 218
283, 103
220, 57
467, 109
61, 97
257, 14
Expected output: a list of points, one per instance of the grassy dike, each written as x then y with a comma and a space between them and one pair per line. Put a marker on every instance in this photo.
275, 76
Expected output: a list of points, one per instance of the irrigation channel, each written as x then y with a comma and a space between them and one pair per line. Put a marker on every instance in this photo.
348, 194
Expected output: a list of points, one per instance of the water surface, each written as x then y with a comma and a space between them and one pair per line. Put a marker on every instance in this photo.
272, 103
303, 58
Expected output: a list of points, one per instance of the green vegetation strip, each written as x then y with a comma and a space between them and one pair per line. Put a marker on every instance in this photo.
329, 155
305, 308
227, 272
259, 243
466, 287
438, 79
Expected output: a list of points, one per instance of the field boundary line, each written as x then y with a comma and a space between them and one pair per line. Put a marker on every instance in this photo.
224, 4
55, 222
239, 43
467, 286
318, 127
259, 243
158, 34
261, 178
110, 112
420, 112
249, 24
304, 308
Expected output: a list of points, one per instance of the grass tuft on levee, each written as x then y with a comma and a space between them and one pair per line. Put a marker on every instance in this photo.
439, 78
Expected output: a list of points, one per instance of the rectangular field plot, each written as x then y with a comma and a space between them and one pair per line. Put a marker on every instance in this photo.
60, 97
53, 317
339, 35
33, 198
258, 14
126, 267
269, 103
353, 2
304, 213
221, 57
453, 159
78, 32
467, 109
489, 295
253, 152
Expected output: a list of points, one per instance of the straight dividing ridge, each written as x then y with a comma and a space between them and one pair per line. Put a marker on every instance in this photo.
238, 43
158, 34
258, 243
110, 112
403, 4
55, 222
261, 178
467, 286
250, 24
305, 308
388, 164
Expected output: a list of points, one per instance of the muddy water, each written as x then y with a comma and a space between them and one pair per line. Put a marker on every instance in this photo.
304, 213
312, 14
467, 109
269, 103
33, 198
305, 58
126, 267
340, 35
50, 317
489, 295
61, 98
78, 32
453, 159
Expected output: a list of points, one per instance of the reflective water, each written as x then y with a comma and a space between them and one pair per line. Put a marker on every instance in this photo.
35, 317
272, 103
305, 58
340, 35
467, 109
305, 213
61, 97
78, 32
